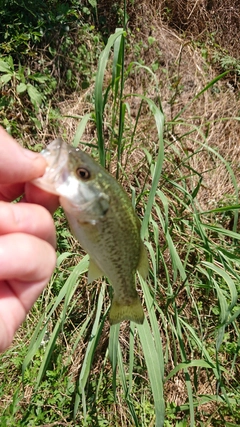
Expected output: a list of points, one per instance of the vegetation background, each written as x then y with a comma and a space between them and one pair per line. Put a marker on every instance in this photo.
168, 82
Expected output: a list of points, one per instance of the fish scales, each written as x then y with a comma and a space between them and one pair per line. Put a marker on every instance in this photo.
101, 217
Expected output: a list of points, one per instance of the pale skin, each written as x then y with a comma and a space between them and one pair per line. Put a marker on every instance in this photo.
27, 235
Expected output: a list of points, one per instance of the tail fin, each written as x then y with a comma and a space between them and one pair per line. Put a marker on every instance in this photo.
120, 311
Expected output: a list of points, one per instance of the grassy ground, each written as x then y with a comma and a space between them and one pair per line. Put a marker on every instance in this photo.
66, 365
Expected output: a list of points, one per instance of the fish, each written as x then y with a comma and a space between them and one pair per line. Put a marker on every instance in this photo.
101, 217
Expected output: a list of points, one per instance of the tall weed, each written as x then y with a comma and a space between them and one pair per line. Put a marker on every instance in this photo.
187, 350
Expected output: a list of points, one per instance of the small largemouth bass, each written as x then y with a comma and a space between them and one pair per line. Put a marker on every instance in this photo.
102, 218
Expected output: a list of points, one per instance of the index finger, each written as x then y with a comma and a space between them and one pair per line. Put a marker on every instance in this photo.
18, 164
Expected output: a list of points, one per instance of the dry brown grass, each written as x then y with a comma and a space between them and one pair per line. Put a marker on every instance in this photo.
199, 18
195, 18
182, 73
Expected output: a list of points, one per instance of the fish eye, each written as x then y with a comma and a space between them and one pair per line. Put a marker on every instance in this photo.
83, 173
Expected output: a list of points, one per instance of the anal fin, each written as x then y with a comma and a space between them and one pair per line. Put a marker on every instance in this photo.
94, 272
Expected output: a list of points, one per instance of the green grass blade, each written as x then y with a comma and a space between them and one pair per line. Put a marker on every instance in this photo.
118, 62
223, 231
69, 289
193, 363
208, 86
176, 261
200, 345
99, 104
159, 119
230, 283
120, 135
81, 129
113, 352
87, 363
221, 209
154, 370
184, 358
131, 357
45, 318
154, 323
126, 388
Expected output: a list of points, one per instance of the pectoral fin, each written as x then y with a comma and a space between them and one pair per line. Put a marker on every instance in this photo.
94, 272
143, 265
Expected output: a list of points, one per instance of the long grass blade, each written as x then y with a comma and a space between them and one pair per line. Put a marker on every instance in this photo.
159, 119
87, 363
99, 104
113, 353
69, 289
81, 129
154, 370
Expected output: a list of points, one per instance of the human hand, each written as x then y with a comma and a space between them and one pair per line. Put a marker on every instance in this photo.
27, 235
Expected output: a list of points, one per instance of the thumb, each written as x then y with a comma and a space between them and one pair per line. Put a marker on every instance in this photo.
16, 163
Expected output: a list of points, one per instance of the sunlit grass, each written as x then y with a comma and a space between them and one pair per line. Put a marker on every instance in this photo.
186, 353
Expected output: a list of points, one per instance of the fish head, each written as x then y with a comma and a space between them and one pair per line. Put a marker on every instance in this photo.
77, 179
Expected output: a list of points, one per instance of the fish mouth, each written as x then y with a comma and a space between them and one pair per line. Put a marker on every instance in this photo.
56, 155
